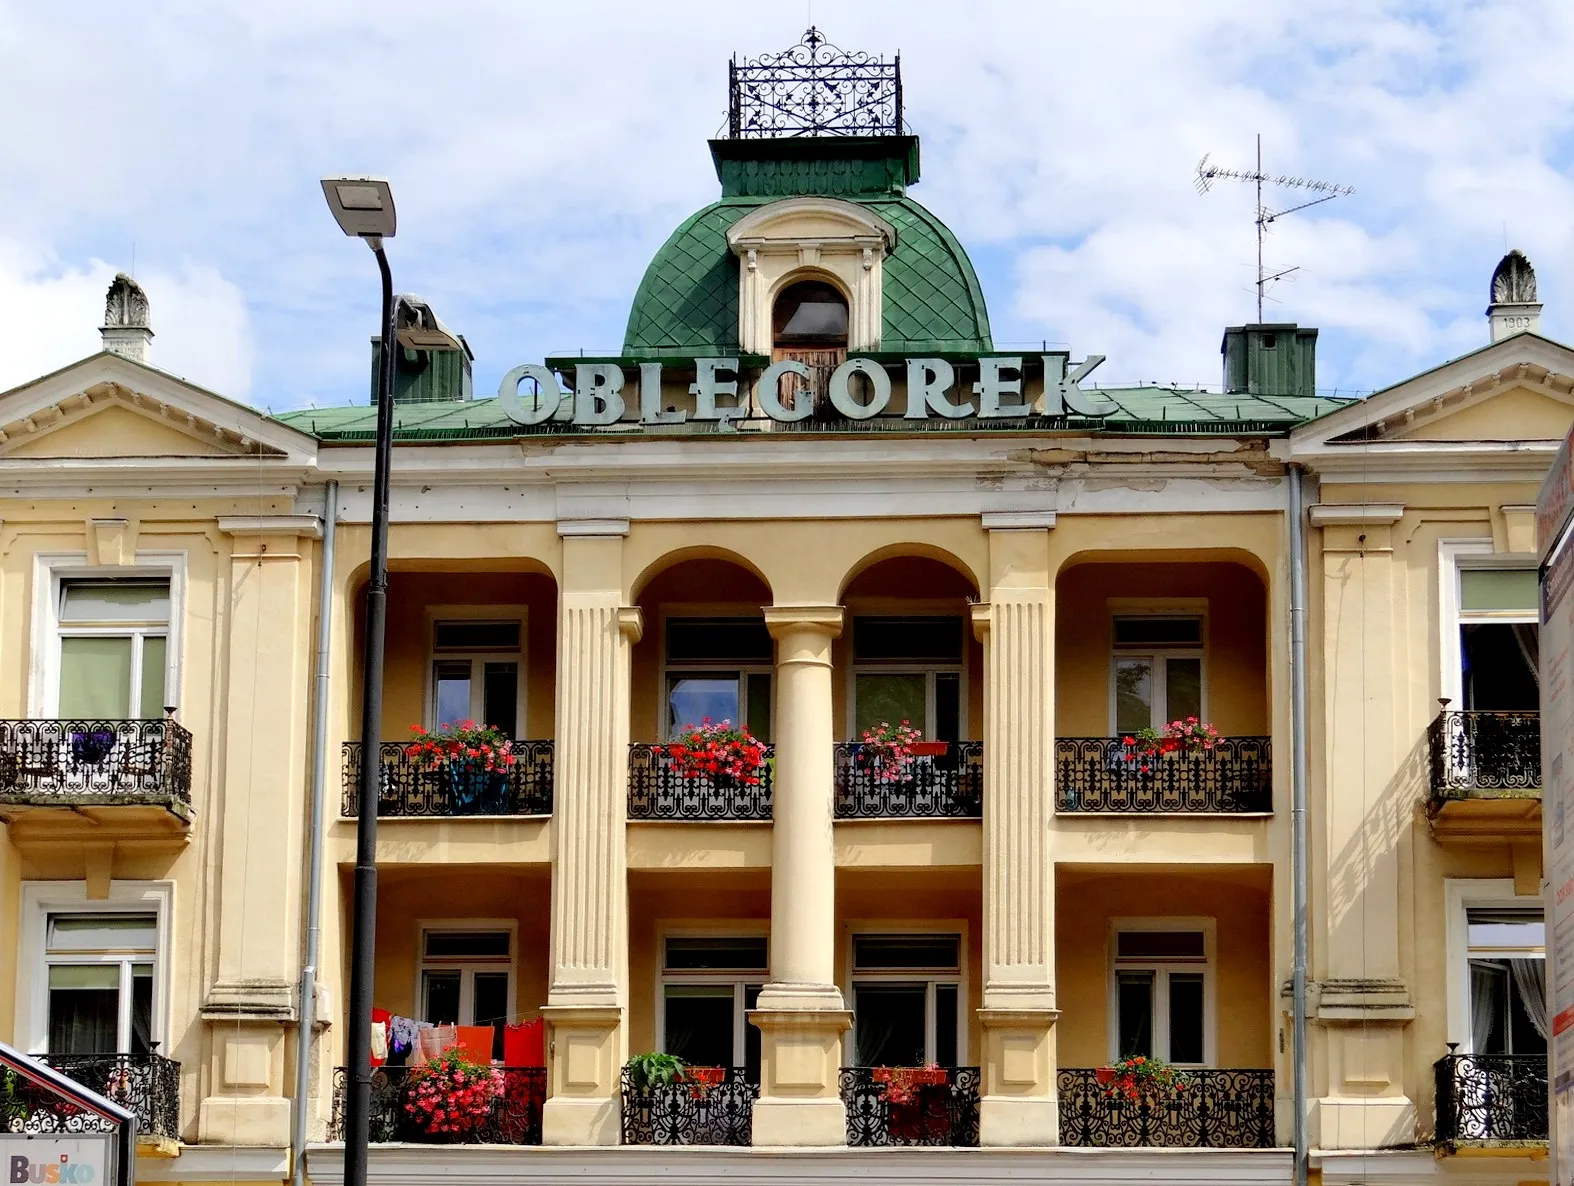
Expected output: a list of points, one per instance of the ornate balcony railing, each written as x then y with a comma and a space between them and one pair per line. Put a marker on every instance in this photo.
146, 1084
409, 787
1103, 774
933, 785
81, 763
1491, 1097
911, 1105
515, 1118
710, 1109
659, 790
814, 89
1485, 755
1217, 1109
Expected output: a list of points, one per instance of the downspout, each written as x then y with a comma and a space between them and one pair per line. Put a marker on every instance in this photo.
1298, 846
308, 987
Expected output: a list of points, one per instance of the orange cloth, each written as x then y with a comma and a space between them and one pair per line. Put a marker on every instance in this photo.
475, 1042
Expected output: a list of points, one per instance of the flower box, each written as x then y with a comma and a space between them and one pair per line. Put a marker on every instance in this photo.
929, 749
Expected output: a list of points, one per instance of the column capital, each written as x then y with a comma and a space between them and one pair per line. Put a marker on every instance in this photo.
1018, 520
1362, 514
293, 526
822, 619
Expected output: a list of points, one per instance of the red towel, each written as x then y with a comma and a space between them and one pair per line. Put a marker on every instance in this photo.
380, 1015
524, 1044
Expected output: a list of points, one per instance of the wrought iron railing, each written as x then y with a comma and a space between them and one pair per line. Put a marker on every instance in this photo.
814, 89
1491, 1097
1104, 774
95, 762
148, 1085
714, 1106
514, 1119
659, 789
931, 785
1485, 755
411, 787
1217, 1109
911, 1105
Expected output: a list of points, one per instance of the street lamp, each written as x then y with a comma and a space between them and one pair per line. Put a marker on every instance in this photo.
364, 209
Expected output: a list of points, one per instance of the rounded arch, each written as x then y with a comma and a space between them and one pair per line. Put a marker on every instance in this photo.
1243, 557
807, 274
914, 550
669, 560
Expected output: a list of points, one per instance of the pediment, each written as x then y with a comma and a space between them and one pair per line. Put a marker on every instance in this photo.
107, 407
794, 221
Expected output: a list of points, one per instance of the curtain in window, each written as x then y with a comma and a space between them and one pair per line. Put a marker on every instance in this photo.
1530, 977
1485, 1007
1527, 635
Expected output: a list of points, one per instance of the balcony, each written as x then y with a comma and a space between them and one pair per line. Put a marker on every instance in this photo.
1491, 1097
515, 1118
660, 790
1217, 1109
409, 788
715, 1106
1103, 774
911, 1105
1485, 755
943, 785
96, 764
146, 1084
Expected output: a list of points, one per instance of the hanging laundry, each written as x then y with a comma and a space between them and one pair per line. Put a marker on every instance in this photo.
403, 1031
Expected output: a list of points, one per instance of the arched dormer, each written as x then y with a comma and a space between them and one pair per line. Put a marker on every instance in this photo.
808, 239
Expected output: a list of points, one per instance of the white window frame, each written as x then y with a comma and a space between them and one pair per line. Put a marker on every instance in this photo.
49, 570
739, 982
39, 900
852, 978
1460, 895
1208, 966
476, 613
728, 609
1191, 607
1453, 557
467, 968
908, 609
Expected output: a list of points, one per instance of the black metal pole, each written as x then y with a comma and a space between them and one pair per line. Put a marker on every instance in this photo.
363, 938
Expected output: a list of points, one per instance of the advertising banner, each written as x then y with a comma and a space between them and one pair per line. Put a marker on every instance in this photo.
57, 1161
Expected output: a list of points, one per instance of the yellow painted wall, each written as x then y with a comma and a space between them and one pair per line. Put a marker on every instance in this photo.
118, 431
1088, 898
1514, 415
1235, 661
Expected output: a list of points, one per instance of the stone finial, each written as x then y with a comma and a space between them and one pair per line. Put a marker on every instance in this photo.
125, 330
1513, 308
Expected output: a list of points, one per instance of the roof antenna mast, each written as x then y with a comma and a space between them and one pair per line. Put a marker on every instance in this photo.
1207, 174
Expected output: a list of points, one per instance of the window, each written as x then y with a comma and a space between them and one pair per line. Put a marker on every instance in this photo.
467, 977
114, 648
1499, 639
1157, 670
1160, 994
99, 976
709, 983
719, 668
1508, 994
908, 669
907, 999
810, 313
476, 672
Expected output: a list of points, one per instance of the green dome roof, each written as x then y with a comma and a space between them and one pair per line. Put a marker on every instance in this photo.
687, 303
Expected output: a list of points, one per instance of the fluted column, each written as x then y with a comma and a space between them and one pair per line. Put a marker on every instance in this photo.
588, 993
1018, 1012
801, 1015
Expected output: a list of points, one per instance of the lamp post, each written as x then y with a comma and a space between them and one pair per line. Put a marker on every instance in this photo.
364, 209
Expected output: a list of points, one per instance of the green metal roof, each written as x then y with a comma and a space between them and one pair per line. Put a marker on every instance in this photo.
1144, 411
687, 303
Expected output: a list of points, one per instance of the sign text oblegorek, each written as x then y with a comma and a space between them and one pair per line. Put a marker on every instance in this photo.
598, 399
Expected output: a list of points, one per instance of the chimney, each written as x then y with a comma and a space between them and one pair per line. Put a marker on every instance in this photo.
125, 330
1272, 359
1513, 308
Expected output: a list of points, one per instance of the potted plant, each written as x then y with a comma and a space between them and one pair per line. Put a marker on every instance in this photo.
1140, 1079
1186, 735
651, 1070
473, 760
903, 1084
451, 1096
718, 750
886, 751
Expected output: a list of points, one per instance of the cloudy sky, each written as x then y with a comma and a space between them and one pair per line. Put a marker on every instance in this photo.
541, 152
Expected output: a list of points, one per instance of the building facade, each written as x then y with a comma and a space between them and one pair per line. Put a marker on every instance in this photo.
813, 498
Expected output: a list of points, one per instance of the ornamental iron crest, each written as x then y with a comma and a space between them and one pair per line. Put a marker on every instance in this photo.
814, 89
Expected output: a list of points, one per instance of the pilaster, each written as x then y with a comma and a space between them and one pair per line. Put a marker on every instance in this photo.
588, 994
801, 1015
1018, 1014
263, 765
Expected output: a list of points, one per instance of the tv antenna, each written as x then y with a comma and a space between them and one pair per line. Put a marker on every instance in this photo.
1207, 174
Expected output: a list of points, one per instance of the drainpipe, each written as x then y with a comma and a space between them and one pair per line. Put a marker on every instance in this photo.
1298, 848
308, 988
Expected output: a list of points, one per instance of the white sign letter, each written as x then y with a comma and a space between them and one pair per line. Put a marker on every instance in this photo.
991, 386
706, 387
650, 397
768, 391
542, 406
1061, 391
928, 380
598, 393
842, 394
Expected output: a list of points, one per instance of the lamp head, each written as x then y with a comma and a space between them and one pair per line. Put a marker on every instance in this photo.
362, 206
416, 327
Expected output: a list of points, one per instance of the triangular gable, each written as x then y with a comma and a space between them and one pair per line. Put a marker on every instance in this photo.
108, 406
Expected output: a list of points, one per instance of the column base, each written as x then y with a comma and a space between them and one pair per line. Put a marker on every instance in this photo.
583, 1073
570, 1121
244, 1120
1365, 1122
802, 1122
800, 1069
1005, 1120
1020, 1105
